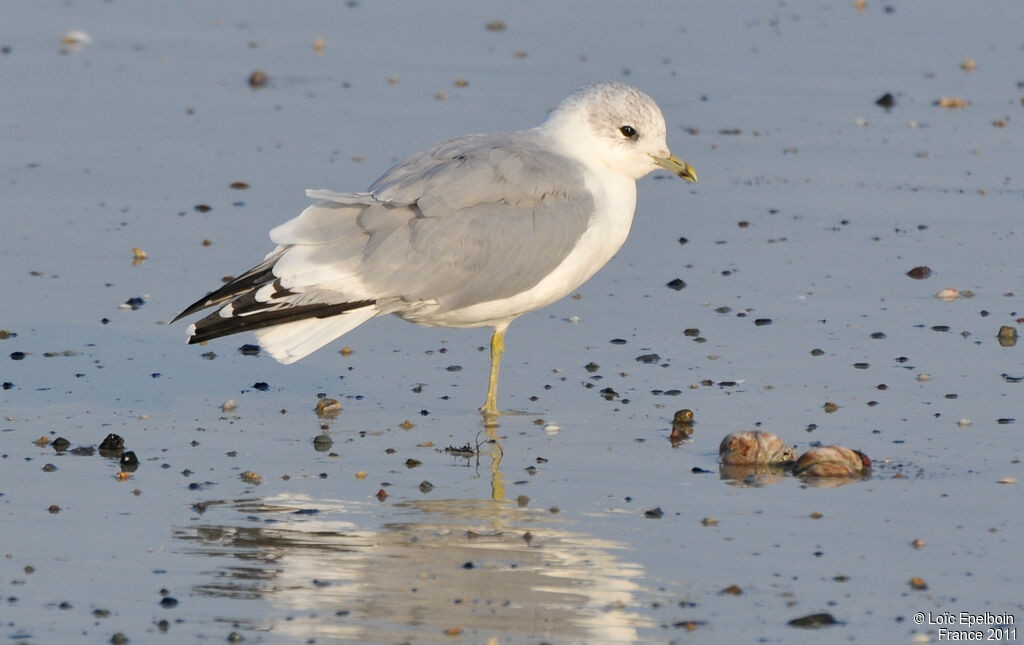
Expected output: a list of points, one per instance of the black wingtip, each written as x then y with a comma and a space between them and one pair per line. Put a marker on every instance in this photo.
248, 281
215, 325
198, 305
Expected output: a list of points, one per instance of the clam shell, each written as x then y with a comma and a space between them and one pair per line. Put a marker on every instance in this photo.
832, 461
753, 448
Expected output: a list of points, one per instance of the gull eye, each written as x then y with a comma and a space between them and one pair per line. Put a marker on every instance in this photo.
628, 131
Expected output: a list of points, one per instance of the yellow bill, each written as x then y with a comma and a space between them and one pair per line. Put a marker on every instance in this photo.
676, 165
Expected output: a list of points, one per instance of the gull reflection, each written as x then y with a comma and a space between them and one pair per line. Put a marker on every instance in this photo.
487, 569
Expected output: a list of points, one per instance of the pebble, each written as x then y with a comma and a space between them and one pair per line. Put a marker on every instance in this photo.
682, 427
258, 79
328, 408
886, 101
75, 39
814, 621
112, 443
129, 462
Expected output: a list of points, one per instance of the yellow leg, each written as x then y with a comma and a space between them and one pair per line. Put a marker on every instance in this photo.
490, 407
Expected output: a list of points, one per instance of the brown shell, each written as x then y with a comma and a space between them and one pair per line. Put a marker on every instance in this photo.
752, 448
832, 461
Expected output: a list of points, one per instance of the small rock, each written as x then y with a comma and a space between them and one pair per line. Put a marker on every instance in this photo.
258, 79
683, 416
328, 408
112, 443
814, 621
249, 350
886, 101
1006, 331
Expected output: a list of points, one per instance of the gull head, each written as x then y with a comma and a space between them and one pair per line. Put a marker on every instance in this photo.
616, 126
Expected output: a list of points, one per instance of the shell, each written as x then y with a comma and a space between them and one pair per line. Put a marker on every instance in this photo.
832, 461
754, 448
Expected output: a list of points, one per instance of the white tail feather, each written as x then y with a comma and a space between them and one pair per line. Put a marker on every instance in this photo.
289, 342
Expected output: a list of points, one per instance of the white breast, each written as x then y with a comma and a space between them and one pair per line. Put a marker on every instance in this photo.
615, 203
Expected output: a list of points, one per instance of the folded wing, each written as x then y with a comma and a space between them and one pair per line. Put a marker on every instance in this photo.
471, 220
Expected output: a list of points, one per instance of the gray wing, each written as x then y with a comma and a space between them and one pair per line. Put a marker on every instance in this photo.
470, 220
474, 219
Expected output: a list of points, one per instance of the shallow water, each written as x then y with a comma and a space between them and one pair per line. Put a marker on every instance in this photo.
813, 205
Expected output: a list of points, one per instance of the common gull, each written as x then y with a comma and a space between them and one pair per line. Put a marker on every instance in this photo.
472, 232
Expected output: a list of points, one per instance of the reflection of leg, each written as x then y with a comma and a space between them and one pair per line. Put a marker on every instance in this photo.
490, 408
497, 481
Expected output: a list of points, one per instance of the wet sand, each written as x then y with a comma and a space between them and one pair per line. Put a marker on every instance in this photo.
576, 520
